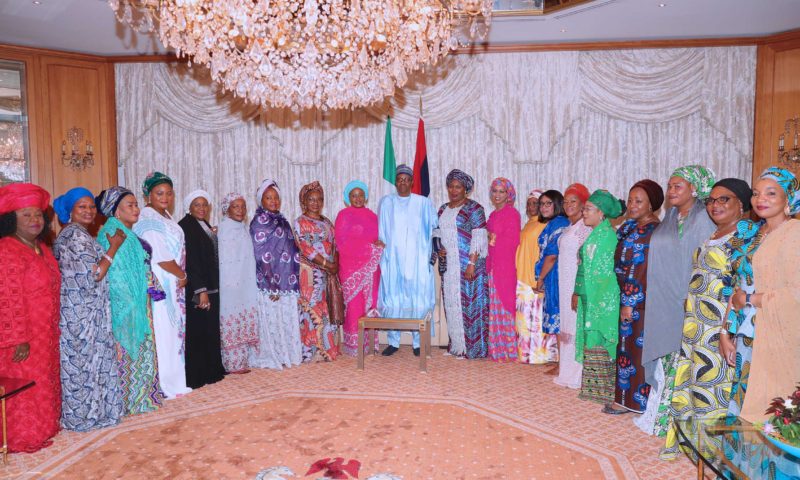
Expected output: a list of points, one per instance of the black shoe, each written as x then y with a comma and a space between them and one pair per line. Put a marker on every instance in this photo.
416, 352
389, 351
610, 410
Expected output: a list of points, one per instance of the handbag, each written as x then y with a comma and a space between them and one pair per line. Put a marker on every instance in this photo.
336, 310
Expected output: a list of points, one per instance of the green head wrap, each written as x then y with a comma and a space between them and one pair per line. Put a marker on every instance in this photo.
607, 203
701, 178
153, 179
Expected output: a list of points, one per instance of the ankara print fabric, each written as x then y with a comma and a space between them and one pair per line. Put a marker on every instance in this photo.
631, 389
702, 377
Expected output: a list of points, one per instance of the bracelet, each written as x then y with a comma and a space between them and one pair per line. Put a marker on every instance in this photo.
107, 257
471, 263
185, 276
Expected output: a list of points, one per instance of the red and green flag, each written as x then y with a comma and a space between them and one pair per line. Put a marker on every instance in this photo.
422, 183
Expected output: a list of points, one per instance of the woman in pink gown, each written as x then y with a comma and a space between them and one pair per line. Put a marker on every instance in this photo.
356, 233
504, 229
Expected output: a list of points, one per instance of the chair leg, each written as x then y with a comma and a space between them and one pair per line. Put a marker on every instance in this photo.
5, 434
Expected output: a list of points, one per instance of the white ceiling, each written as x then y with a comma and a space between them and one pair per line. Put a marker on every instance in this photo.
89, 25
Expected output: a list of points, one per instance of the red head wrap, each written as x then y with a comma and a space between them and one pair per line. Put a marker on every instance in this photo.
21, 195
579, 190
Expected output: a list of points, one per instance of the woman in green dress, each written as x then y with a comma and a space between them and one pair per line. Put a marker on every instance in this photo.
597, 298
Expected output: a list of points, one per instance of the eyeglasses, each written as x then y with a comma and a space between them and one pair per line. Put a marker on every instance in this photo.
545, 204
720, 200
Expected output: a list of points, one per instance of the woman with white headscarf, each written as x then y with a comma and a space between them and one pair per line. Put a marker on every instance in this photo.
203, 357
238, 292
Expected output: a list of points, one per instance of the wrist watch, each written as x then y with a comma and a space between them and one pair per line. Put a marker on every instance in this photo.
747, 301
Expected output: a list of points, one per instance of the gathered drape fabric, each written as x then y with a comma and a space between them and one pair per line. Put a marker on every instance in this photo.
528, 117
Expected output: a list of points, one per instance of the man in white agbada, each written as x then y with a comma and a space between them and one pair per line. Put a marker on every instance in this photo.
405, 225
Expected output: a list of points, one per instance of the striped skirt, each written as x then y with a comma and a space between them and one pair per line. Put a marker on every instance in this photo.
502, 331
597, 383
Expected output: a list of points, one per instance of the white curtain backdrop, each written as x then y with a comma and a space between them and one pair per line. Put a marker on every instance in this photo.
544, 120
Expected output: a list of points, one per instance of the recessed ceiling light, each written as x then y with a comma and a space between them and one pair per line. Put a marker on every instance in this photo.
662, 5
37, 2
563, 30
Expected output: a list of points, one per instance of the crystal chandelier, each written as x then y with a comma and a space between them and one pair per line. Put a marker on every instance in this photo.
309, 53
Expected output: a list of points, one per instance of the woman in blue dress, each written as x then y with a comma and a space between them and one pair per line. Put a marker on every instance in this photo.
551, 212
90, 388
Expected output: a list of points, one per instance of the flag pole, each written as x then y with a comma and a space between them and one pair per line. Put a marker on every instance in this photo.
420, 105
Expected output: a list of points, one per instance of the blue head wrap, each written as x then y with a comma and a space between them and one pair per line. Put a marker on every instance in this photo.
352, 186
789, 183
63, 204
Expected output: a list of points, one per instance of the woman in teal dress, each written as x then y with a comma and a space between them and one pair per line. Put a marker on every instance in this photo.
736, 340
132, 287
597, 298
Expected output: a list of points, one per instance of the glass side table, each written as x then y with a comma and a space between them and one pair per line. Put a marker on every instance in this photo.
732, 448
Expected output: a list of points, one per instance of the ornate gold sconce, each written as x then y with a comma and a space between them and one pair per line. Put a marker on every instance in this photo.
75, 160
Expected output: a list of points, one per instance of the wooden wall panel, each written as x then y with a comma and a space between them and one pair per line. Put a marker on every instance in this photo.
76, 97
777, 98
67, 90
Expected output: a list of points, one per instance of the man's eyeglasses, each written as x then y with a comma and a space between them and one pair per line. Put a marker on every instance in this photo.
720, 200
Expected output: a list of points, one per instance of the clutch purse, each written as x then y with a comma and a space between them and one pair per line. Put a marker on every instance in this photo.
336, 311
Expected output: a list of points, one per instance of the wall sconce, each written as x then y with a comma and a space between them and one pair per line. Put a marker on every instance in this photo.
792, 156
75, 160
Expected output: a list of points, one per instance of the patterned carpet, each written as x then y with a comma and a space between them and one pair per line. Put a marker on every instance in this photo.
463, 419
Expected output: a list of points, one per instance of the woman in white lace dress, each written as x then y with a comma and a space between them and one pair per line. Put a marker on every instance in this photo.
569, 371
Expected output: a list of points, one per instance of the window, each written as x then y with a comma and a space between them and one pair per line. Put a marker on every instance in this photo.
14, 151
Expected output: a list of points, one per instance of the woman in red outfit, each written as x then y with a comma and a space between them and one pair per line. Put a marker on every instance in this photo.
30, 286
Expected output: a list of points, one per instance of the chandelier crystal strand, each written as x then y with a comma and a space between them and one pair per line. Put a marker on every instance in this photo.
312, 53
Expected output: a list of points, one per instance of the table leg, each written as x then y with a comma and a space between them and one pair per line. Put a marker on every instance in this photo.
423, 354
428, 337
360, 345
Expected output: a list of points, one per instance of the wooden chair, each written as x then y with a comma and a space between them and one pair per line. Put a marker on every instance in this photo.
421, 325
9, 387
